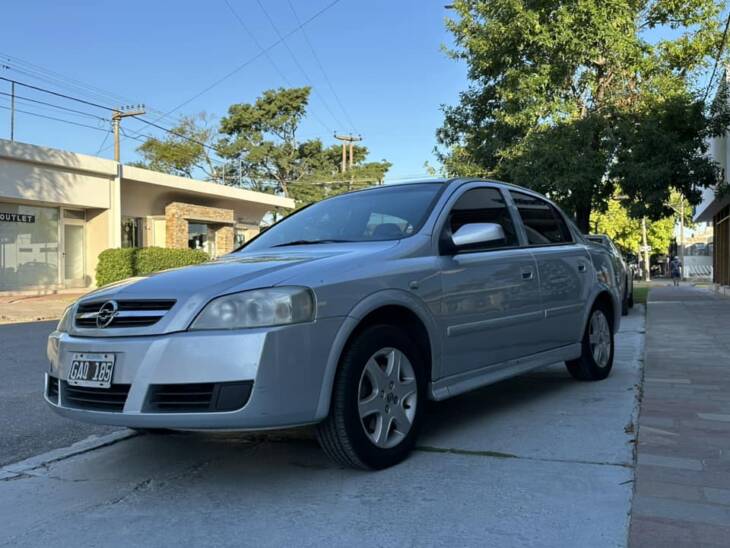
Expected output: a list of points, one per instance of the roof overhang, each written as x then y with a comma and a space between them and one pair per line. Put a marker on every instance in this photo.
204, 188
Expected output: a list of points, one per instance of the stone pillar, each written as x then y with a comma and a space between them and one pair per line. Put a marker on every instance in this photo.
176, 227
224, 240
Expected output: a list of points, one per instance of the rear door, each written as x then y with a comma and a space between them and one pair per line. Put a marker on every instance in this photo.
490, 305
563, 266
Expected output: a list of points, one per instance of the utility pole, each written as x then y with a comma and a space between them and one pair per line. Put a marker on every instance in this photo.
645, 249
351, 139
12, 111
116, 121
681, 235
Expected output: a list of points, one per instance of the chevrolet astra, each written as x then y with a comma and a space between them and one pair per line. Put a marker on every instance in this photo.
349, 315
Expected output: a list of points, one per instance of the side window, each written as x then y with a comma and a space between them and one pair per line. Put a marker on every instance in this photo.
543, 224
483, 205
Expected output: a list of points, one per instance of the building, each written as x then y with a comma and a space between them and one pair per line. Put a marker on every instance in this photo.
715, 209
59, 210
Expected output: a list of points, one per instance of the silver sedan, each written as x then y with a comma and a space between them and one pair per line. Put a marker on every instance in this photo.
348, 314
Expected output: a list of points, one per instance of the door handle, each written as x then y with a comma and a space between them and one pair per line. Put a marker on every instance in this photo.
582, 268
527, 274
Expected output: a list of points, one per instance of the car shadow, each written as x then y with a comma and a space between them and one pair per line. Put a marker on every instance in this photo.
510, 395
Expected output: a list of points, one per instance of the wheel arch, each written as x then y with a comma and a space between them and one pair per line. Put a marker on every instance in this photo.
606, 299
389, 306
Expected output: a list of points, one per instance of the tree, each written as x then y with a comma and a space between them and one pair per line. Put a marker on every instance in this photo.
617, 223
181, 151
260, 150
569, 97
262, 137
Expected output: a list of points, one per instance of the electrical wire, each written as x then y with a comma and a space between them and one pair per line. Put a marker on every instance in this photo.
270, 59
298, 64
321, 68
717, 58
74, 111
54, 118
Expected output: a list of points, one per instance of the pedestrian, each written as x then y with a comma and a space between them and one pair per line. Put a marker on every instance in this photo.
675, 265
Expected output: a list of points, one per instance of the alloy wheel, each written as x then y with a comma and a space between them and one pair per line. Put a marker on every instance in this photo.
599, 338
387, 397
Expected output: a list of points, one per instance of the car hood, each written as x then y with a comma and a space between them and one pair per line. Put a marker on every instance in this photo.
194, 286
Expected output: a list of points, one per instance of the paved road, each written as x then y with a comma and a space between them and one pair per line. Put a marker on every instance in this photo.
28, 426
683, 474
541, 460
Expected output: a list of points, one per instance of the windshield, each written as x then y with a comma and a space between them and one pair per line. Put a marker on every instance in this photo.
386, 213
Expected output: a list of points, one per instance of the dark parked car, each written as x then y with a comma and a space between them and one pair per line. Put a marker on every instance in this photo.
622, 270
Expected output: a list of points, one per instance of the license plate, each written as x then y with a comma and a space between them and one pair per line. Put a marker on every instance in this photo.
93, 370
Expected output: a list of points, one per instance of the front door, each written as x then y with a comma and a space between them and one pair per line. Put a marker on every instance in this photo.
490, 308
73, 254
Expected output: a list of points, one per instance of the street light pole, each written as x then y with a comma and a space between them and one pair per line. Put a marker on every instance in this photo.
681, 235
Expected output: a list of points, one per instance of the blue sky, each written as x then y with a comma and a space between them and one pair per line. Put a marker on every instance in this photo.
383, 58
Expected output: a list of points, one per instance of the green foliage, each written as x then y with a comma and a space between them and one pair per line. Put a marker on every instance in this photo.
571, 98
154, 259
122, 263
259, 144
625, 230
114, 265
181, 151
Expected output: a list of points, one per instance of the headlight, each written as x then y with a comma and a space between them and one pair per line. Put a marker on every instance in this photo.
257, 308
65, 322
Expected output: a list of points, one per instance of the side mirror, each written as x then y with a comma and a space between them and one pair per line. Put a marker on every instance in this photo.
478, 233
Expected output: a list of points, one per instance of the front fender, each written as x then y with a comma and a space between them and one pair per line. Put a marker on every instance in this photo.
374, 301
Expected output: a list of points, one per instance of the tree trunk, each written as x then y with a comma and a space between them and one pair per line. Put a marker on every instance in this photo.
583, 215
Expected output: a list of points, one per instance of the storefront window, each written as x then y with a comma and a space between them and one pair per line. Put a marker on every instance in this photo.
131, 232
201, 236
28, 246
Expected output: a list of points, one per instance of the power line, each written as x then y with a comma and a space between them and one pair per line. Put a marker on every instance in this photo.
717, 58
60, 107
55, 119
250, 60
321, 68
57, 94
60, 80
298, 64
269, 58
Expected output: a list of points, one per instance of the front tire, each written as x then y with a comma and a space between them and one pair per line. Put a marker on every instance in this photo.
596, 359
378, 399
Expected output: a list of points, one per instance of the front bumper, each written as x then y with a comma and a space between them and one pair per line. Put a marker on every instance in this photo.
283, 367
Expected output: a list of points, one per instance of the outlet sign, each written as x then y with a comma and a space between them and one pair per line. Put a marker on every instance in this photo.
16, 217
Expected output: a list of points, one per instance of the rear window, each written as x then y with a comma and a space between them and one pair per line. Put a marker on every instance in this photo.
543, 224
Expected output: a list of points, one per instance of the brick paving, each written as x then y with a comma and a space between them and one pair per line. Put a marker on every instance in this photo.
682, 492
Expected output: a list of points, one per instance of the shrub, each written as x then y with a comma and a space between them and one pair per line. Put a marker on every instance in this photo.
115, 265
119, 264
154, 259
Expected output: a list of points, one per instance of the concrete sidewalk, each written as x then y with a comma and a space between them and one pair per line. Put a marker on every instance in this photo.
30, 308
682, 495
537, 461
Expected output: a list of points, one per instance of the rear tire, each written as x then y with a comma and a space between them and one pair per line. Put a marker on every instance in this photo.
596, 359
378, 400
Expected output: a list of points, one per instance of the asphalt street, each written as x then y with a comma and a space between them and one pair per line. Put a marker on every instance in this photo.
29, 427
541, 460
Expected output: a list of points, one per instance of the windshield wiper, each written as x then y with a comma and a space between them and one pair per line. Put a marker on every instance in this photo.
311, 242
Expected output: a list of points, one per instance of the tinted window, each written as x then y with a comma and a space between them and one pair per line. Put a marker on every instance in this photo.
543, 223
386, 213
483, 205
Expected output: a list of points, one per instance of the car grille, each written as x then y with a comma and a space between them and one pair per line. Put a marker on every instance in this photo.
52, 389
130, 313
97, 399
198, 398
